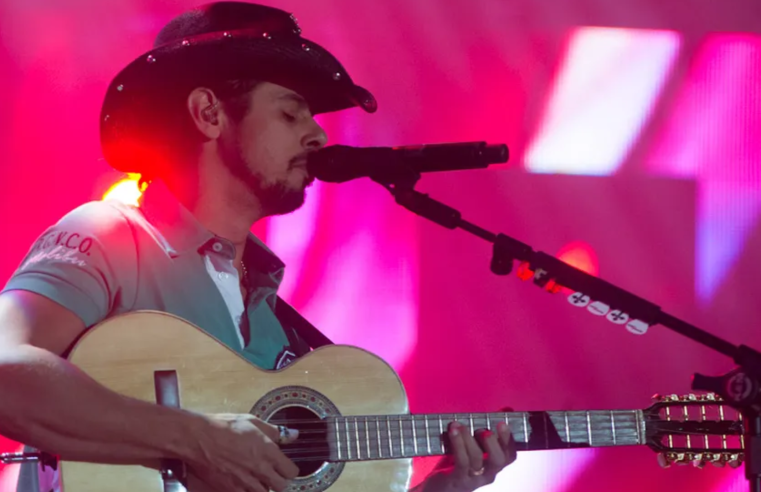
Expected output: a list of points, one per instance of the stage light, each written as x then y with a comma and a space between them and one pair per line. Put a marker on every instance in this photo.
125, 191
606, 88
580, 255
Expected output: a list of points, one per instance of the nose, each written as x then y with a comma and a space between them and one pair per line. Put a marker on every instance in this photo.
315, 138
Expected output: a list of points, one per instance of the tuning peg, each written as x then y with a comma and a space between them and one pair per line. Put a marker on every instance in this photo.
664, 461
699, 461
734, 460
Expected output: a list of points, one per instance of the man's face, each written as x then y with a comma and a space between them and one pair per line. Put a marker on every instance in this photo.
267, 149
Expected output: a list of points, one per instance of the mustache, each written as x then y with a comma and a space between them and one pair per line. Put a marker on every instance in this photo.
299, 160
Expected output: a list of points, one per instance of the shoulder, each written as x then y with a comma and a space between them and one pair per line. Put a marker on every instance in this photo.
93, 226
100, 217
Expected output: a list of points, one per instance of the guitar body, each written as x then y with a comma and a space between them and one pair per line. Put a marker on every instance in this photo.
125, 353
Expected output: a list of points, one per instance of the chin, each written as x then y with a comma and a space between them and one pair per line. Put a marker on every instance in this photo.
289, 202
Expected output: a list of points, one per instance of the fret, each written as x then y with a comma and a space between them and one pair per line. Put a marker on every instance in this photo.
703, 419
613, 426
427, 437
525, 427
401, 436
348, 444
567, 428
378, 438
414, 437
338, 439
470, 419
388, 427
589, 428
488, 423
367, 439
356, 437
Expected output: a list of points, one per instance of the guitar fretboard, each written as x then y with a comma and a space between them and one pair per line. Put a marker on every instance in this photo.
403, 436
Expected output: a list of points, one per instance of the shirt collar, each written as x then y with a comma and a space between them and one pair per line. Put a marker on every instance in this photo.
183, 234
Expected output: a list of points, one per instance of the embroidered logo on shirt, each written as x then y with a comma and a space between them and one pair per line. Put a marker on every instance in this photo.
60, 246
59, 253
64, 239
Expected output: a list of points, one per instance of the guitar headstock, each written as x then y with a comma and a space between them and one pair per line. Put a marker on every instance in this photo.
695, 429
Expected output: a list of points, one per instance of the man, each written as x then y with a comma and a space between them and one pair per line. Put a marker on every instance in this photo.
219, 116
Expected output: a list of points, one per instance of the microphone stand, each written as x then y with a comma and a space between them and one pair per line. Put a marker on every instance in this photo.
740, 387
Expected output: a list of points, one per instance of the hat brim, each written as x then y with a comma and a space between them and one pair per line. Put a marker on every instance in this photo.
291, 61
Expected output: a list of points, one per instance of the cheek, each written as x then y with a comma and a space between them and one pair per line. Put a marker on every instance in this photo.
268, 146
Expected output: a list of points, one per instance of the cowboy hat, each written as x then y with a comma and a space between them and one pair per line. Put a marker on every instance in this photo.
216, 42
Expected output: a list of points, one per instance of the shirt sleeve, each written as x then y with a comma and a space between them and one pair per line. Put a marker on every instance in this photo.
87, 263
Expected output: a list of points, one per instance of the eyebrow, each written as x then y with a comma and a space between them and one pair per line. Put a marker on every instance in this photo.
295, 98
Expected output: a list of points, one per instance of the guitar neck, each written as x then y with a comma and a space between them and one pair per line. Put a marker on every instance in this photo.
363, 438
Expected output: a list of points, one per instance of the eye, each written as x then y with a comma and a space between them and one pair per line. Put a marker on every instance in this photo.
289, 117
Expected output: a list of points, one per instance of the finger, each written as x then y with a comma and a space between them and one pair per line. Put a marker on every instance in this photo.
459, 451
278, 433
495, 455
507, 443
475, 453
283, 465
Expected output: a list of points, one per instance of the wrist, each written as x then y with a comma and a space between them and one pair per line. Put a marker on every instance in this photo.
178, 434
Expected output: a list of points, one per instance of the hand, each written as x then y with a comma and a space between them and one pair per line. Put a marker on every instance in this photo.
467, 469
241, 454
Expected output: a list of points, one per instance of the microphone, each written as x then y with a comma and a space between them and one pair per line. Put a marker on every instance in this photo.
339, 163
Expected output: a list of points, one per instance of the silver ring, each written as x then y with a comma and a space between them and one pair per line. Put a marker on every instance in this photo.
478, 473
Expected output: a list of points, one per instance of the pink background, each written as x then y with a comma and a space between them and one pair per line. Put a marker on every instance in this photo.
634, 130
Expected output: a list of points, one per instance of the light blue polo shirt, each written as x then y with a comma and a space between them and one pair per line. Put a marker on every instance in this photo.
106, 258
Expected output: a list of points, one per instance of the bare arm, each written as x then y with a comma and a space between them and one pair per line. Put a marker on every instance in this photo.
50, 404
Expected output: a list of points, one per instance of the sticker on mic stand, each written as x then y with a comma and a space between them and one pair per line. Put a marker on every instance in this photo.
598, 308
578, 299
637, 327
617, 317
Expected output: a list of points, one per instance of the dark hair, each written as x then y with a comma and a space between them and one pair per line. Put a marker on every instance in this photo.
176, 139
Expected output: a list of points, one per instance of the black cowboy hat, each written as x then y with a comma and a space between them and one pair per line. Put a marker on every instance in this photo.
216, 42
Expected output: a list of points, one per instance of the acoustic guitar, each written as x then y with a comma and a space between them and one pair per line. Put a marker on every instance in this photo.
356, 432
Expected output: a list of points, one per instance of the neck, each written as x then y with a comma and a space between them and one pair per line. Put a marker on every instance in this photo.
219, 203
400, 436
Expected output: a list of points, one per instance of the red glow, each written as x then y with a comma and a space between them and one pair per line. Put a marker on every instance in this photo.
580, 255
125, 191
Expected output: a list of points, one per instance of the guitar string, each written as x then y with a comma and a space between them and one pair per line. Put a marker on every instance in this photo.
619, 426
450, 417
407, 418
408, 438
323, 454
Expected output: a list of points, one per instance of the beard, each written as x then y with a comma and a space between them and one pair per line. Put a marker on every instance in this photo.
275, 197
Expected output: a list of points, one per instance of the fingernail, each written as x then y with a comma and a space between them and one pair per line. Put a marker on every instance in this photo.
487, 433
454, 429
288, 435
502, 427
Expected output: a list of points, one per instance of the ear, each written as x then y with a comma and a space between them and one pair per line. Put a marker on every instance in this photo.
205, 111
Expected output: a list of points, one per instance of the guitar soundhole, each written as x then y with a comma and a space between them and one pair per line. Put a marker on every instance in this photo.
310, 451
